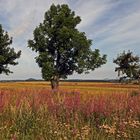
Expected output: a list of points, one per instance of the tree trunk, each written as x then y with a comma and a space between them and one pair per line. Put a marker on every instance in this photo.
55, 83
139, 83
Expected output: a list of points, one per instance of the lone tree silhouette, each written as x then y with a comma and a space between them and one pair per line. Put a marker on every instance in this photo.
61, 47
128, 65
7, 54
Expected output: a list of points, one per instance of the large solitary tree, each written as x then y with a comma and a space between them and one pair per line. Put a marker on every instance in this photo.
128, 65
7, 54
61, 48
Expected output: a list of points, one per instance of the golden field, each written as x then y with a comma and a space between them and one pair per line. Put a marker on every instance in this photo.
78, 111
82, 87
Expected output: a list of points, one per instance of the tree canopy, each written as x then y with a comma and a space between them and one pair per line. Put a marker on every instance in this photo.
61, 48
128, 65
7, 54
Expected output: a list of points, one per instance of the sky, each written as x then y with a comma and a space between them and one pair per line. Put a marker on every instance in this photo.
113, 25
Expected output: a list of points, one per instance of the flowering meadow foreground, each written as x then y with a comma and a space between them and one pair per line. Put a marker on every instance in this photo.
36, 114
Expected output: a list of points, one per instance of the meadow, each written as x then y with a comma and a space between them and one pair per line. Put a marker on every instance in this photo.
79, 111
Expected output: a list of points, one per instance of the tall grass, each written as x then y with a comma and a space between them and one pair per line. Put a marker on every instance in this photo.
39, 115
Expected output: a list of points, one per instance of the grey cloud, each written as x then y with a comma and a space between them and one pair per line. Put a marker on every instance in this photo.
121, 32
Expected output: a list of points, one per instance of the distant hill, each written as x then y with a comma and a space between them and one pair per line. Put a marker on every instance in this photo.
31, 79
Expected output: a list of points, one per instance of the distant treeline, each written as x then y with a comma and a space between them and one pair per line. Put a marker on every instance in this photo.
69, 80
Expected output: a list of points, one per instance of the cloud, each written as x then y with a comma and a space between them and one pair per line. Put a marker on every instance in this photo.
90, 11
113, 25
23, 27
122, 29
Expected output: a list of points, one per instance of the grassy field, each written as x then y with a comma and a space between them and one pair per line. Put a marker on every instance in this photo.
79, 111
82, 87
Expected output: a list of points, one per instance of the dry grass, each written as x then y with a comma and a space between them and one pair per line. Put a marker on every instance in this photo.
28, 110
82, 87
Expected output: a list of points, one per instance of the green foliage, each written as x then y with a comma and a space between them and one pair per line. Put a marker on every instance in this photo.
7, 54
61, 47
128, 65
134, 93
